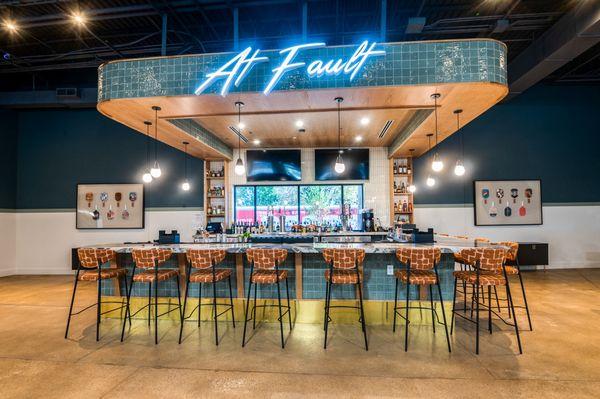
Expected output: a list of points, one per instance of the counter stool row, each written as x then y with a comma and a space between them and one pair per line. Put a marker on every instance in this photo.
266, 268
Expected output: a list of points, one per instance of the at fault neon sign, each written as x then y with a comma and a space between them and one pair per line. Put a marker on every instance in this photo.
237, 68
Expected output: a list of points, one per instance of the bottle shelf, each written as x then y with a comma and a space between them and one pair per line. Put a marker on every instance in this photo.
402, 172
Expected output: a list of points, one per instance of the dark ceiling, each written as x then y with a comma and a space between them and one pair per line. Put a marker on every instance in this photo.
49, 49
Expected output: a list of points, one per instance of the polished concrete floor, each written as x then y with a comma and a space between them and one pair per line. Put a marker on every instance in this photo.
561, 356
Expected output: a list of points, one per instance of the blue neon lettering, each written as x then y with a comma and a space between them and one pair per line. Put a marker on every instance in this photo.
286, 65
237, 68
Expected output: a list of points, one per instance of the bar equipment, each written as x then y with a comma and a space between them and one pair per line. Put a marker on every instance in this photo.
270, 219
282, 223
367, 220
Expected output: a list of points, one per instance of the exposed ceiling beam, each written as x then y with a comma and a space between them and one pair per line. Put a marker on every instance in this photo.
570, 36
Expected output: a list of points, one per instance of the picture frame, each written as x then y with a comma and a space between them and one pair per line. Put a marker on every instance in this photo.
110, 206
507, 202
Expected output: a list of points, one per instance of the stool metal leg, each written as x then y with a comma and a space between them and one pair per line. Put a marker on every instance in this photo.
149, 302
254, 307
327, 305
395, 305
407, 311
214, 286
325, 309
453, 305
287, 293
185, 298
490, 308
231, 301
477, 316
443, 310
128, 306
525, 301
280, 314
513, 310
362, 310
199, 302
72, 302
432, 308
156, 310
247, 309
98, 308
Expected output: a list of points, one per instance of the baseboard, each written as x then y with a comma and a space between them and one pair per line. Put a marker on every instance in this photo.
42, 271
7, 272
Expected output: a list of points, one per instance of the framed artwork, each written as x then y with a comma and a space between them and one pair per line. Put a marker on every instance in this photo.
507, 202
110, 206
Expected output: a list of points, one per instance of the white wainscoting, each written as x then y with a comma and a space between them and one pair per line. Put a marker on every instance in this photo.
572, 231
8, 246
376, 189
44, 239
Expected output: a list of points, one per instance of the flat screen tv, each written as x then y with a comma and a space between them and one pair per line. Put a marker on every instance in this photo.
355, 159
273, 165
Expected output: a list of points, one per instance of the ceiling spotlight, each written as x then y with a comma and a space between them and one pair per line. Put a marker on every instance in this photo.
358, 139
11, 26
299, 123
364, 121
256, 142
79, 18
241, 125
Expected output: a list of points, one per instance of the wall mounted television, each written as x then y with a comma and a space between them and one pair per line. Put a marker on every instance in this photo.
355, 159
273, 165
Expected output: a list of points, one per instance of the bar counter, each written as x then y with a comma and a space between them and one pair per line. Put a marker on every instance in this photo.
305, 266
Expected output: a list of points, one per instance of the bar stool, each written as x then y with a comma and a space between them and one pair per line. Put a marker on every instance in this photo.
512, 268
343, 269
421, 270
204, 261
264, 269
150, 261
92, 259
488, 272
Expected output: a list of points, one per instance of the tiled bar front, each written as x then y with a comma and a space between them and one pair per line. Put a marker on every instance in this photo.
377, 284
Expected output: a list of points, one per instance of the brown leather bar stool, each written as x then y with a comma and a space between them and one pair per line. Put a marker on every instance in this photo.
421, 270
343, 269
488, 272
264, 269
150, 261
91, 261
512, 268
204, 261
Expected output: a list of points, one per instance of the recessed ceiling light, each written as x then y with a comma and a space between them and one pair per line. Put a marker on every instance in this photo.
78, 18
364, 121
358, 139
294, 137
299, 123
241, 125
256, 142
11, 26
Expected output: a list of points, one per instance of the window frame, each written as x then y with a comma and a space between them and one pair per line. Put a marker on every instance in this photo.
297, 186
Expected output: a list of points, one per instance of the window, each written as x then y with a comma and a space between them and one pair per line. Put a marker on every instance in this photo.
320, 204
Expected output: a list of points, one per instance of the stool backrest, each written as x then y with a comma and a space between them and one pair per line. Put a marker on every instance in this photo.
420, 258
204, 258
513, 249
344, 258
144, 258
266, 258
489, 258
90, 258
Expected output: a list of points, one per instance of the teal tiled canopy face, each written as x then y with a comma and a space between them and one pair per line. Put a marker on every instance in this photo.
409, 63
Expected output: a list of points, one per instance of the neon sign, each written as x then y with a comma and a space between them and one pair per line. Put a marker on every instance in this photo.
236, 69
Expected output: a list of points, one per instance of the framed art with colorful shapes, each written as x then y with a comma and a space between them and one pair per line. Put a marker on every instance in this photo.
507, 202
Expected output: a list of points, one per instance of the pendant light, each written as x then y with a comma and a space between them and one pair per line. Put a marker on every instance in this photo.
155, 171
239, 169
411, 187
339, 166
430, 180
185, 186
147, 177
459, 168
437, 165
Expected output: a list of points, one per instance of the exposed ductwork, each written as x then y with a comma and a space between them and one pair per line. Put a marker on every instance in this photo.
574, 33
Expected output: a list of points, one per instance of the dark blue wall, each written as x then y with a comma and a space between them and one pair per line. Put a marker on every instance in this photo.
8, 159
59, 148
549, 132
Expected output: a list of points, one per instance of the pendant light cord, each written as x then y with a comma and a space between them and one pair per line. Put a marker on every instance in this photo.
435, 97
185, 162
339, 126
155, 135
147, 145
239, 130
462, 146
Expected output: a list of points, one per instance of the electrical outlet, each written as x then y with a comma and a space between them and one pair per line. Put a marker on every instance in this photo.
390, 270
